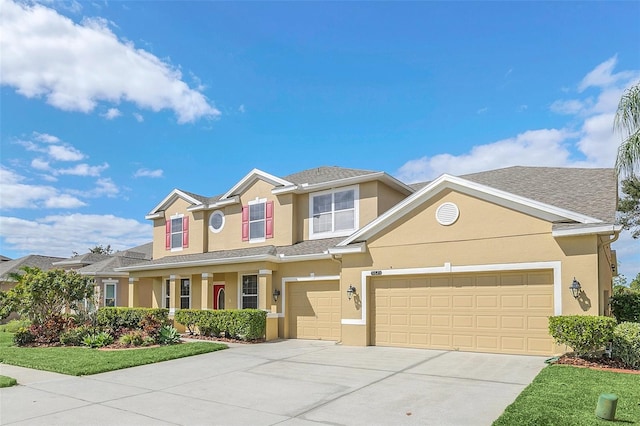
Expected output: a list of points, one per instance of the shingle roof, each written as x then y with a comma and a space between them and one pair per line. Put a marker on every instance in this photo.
84, 259
107, 266
592, 192
309, 247
33, 260
144, 251
324, 174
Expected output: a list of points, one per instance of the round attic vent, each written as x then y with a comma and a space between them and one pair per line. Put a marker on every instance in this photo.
447, 214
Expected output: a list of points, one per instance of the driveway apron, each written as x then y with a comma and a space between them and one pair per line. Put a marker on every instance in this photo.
287, 382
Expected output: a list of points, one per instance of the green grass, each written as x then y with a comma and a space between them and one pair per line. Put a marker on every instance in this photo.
5, 381
564, 395
81, 361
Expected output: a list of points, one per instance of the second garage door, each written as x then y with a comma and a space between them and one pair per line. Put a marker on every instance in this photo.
488, 312
314, 310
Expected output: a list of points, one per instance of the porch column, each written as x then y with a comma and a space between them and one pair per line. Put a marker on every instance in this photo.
172, 295
205, 297
133, 295
264, 289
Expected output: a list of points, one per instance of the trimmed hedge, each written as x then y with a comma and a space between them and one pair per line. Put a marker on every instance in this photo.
116, 319
626, 343
242, 324
584, 334
626, 306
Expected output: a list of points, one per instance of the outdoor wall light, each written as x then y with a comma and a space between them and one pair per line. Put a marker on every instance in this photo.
575, 288
276, 294
351, 291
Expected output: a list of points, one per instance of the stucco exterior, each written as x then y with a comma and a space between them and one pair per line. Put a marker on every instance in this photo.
506, 246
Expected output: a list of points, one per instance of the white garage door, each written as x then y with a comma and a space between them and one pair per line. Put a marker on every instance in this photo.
488, 312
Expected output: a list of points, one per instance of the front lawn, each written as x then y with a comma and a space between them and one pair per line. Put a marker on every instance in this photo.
563, 395
5, 381
80, 361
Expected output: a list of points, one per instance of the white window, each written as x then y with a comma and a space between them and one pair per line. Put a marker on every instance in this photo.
185, 294
256, 221
216, 221
177, 233
167, 294
110, 294
249, 292
333, 213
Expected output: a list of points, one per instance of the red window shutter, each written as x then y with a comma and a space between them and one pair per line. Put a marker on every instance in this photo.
268, 215
167, 235
245, 223
185, 231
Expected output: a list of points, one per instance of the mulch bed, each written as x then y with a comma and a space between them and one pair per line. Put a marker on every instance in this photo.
600, 363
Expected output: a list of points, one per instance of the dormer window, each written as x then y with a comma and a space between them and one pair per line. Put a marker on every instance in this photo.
177, 233
334, 213
257, 221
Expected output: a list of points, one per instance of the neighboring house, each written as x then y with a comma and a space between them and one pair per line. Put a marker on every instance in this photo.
111, 286
474, 263
4, 258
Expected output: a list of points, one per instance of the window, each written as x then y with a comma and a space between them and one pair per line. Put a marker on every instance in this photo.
249, 292
177, 233
110, 294
257, 221
334, 213
167, 294
185, 294
216, 221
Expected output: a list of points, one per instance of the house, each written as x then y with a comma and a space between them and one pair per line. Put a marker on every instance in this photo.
474, 263
111, 286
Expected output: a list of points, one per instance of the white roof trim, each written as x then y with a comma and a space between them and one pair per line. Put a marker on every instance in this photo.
503, 198
303, 257
173, 194
353, 248
250, 177
202, 262
588, 230
381, 176
216, 204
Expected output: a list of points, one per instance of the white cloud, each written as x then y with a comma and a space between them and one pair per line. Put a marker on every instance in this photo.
83, 170
60, 235
628, 255
40, 164
139, 118
76, 66
112, 113
15, 194
64, 153
589, 143
45, 137
148, 173
242, 109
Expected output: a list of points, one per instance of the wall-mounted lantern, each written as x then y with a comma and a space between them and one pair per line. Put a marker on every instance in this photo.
276, 294
351, 291
575, 288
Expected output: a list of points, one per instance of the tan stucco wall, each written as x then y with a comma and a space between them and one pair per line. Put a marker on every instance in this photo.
485, 233
387, 198
197, 228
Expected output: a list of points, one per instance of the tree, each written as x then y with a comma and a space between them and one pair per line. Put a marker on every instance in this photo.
635, 284
42, 295
627, 121
629, 206
99, 249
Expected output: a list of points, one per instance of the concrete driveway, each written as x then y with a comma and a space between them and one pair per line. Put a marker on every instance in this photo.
291, 382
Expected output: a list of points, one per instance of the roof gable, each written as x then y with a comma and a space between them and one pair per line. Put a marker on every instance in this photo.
251, 177
193, 199
516, 202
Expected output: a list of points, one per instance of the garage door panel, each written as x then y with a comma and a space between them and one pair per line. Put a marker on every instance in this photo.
314, 310
490, 312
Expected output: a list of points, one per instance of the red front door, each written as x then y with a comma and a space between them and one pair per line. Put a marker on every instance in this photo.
218, 296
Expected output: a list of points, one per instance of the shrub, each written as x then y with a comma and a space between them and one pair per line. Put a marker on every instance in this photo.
14, 325
49, 331
118, 320
168, 335
97, 340
132, 338
75, 336
23, 337
584, 334
625, 306
151, 326
626, 343
243, 324
189, 318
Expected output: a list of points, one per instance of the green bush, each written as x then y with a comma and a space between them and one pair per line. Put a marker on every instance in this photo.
23, 337
189, 318
98, 340
626, 343
168, 335
75, 336
243, 324
132, 338
584, 334
119, 320
14, 325
625, 306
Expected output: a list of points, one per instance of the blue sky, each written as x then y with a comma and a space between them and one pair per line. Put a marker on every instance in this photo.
108, 106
